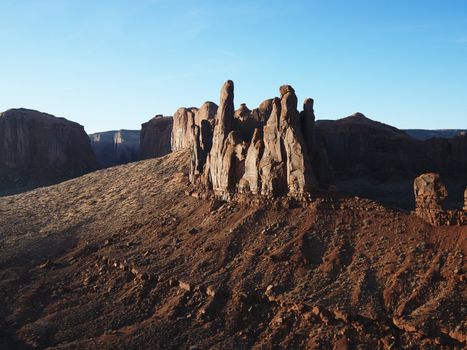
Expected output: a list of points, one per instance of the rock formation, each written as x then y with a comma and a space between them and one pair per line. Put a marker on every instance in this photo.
155, 137
370, 159
39, 149
116, 147
204, 119
260, 152
465, 199
186, 118
430, 194
183, 120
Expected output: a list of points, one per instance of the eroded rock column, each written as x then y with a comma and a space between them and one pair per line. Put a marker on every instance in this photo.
430, 194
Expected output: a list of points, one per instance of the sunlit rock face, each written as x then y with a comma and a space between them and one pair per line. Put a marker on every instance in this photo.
264, 151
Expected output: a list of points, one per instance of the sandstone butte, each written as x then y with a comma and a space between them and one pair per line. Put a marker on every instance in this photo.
271, 151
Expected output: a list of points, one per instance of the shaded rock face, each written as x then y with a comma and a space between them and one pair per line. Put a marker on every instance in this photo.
40, 149
259, 152
465, 199
359, 147
115, 147
371, 159
155, 137
430, 194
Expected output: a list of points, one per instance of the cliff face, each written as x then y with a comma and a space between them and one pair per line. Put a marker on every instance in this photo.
155, 137
264, 151
116, 147
358, 147
40, 149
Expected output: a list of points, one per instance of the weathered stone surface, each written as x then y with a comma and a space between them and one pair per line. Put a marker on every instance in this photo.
217, 156
260, 152
155, 137
245, 123
198, 155
299, 176
204, 118
40, 149
263, 111
273, 162
465, 199
251, 181
115, 147
183, 120
430, 194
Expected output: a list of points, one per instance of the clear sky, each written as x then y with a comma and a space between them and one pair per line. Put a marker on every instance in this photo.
113, 64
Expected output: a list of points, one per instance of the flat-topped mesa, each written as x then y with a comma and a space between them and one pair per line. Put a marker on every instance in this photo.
258, 152
430, 194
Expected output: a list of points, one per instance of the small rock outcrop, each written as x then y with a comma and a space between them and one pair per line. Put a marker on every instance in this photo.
155, 137
259, 152
430, 194
115, 147
39, 149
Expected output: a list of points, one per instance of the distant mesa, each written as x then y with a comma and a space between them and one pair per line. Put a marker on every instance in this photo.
155, 138
423, 134
39, 149
115, 147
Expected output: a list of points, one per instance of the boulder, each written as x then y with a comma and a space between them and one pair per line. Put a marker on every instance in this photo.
155, 137
40, 149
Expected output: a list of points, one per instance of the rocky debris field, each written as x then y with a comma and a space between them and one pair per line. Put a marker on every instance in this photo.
128, 257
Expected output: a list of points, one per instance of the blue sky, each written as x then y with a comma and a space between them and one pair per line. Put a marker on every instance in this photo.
112, 64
